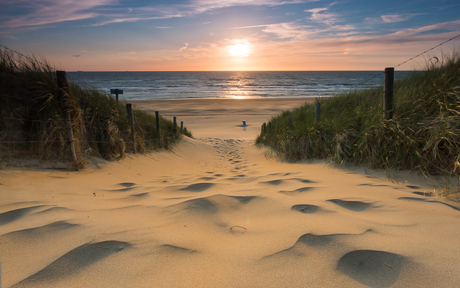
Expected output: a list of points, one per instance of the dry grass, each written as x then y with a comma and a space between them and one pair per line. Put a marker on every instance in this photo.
32, 123
424, 134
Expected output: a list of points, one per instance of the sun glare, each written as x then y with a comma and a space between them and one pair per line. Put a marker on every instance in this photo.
241, 49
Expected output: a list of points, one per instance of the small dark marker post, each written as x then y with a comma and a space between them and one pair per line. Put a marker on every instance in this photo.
388, 93
129, 109
181, 125
116, 92
269, 126
318, 112
265, 127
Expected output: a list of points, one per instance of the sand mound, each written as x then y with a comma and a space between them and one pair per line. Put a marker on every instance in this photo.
215, 212
372, 268
73, 261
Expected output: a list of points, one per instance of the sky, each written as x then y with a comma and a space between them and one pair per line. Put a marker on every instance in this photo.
227, 35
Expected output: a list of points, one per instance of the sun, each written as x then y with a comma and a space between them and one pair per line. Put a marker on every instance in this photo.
241, 49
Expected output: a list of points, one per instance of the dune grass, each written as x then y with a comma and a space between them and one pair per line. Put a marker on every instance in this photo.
424, 134
32, 123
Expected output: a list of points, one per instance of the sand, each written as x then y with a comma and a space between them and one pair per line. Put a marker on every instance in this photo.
216, 212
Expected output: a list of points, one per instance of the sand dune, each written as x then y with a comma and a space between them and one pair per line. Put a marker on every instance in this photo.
215, 212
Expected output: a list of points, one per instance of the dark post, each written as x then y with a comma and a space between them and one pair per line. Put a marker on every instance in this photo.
63, 94
318, 112
265, 127
157, 119
388, 93
181, 125
129, 109
175, 125
269, 126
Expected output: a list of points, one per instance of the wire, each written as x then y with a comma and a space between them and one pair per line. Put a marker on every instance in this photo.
412, 58
426, 51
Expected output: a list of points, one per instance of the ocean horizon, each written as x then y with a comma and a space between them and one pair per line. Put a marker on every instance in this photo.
229, 84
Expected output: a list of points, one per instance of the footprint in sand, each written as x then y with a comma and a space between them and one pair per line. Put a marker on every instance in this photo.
296, 192
198, 187
308, 241
305, 208
371, 268
357, 206
428, 201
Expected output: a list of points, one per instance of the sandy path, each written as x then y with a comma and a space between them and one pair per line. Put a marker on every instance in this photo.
216, 212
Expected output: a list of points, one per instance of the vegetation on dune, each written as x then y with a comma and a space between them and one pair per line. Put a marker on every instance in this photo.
32, 123
423, 135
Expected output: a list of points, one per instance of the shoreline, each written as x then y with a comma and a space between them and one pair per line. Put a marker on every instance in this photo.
222, 117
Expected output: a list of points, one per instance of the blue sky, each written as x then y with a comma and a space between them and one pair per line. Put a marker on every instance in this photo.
106, 35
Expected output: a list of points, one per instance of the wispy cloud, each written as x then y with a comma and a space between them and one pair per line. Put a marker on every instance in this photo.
103, 12
287, 30
184, 47
51, 11
397, 17
322, 15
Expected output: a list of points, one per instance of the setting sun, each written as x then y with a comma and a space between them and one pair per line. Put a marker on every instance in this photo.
241, 49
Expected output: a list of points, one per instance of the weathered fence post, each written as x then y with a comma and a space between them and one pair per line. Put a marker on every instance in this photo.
129, 109
157, 120
388, 93
318, 112
181, 125
265, 127
63, 95
175, 125
269, 125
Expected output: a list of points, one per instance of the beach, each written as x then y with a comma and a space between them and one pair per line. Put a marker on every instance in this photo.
218, 211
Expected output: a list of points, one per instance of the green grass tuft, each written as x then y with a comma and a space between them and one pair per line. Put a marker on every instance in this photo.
32, 123
424, 134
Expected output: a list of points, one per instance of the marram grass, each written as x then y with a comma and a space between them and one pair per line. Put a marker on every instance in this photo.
423, 135
32, 123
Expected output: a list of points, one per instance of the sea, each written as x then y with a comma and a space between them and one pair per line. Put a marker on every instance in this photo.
236, 85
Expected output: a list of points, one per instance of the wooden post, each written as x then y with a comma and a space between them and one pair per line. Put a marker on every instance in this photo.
157, 120
269, 125
265, 127
318, 112
181, 125
175, 125
388, 93
63, 95
129, 109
